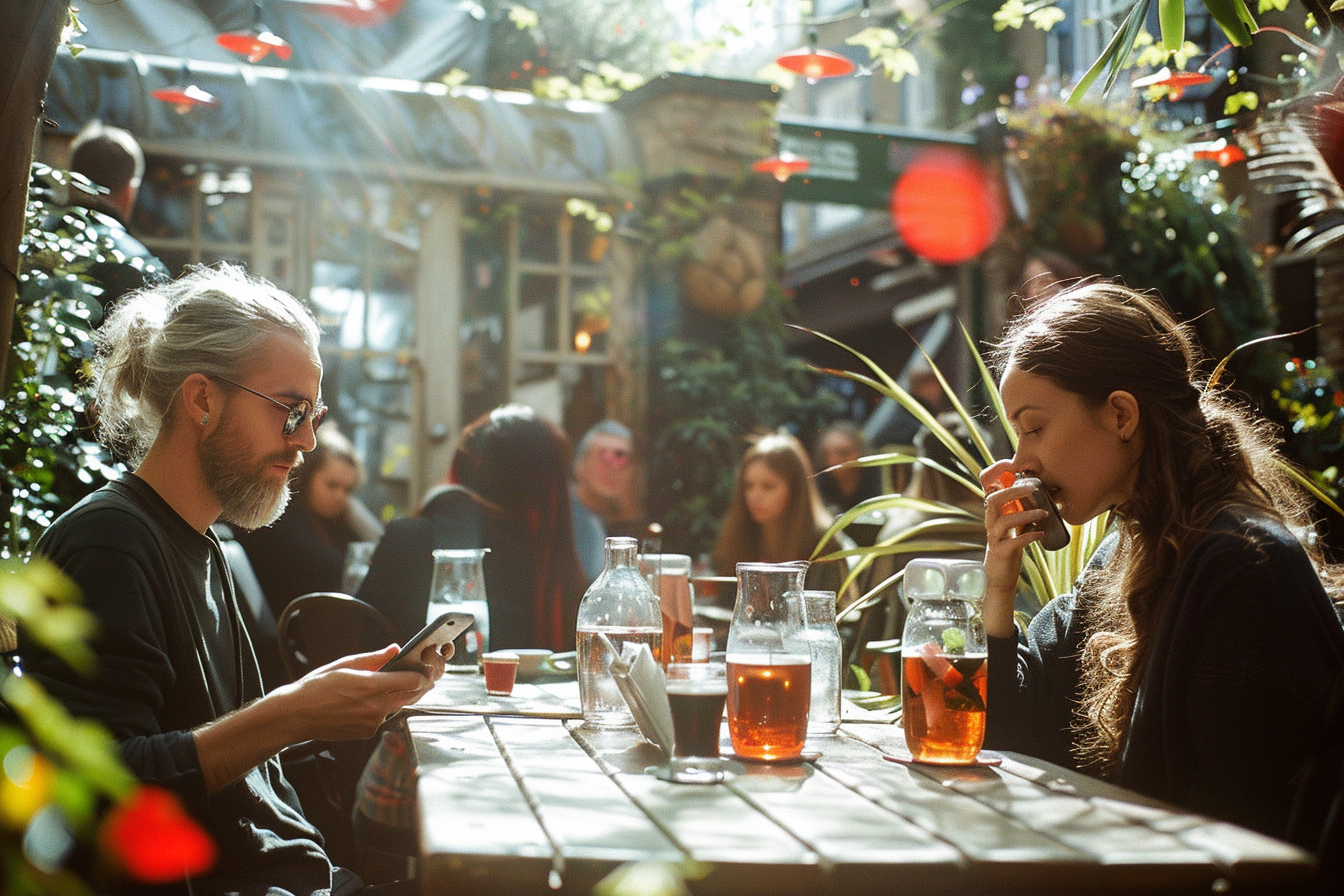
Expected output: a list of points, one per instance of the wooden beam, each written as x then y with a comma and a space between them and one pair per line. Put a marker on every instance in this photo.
33, 32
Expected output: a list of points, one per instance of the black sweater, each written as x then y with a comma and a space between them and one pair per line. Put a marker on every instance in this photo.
1230, 702
173, 655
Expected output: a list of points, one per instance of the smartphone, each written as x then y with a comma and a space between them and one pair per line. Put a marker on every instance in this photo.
441, 631
1056, 532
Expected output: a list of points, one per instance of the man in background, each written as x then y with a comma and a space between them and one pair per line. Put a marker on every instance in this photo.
603, 499
111, 158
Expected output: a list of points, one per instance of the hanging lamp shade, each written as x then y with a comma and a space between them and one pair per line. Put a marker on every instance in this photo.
781, 167
1175, 82
255, 43
813, 63
361, 13
184, 97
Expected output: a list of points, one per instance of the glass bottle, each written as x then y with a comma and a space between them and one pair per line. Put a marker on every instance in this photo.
459, 584
618, 608
943, 661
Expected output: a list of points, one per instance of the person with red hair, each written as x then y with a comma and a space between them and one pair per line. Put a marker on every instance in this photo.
507, 490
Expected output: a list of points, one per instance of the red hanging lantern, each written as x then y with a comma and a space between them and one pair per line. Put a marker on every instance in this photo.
256, 44
1175, 82
813, 63
946, 206
782, 166
184, 97
362, 13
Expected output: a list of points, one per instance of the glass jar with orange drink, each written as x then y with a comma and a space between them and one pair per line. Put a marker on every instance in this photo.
769, 663
944, 661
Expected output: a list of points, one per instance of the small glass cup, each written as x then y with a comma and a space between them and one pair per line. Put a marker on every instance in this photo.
696, 693
702, 641
501, 669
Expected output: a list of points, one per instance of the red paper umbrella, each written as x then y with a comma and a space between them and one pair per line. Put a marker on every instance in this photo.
363, 13
946, 206
255, 43
155, 840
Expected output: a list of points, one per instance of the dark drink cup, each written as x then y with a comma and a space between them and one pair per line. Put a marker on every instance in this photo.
696, 694
501, 668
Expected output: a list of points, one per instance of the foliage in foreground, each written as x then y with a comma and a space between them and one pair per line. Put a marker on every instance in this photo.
73, 818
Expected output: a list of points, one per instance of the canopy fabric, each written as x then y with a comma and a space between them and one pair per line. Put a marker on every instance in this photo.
270, 115
422, 42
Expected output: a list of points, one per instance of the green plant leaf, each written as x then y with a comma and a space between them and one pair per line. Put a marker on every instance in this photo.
1115, 54
1171, 15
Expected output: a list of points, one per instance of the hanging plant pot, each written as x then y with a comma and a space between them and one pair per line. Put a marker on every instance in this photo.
726, 275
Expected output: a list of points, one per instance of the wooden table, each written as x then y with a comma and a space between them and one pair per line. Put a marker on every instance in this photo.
518, 805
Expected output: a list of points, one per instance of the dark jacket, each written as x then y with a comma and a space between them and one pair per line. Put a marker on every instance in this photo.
172, 656
1230, 703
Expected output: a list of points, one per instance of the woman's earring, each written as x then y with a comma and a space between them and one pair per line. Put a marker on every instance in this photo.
205, 417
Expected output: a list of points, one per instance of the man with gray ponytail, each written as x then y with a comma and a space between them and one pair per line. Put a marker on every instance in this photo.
211, 385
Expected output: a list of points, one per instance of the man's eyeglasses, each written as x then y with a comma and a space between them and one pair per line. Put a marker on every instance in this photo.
296, 413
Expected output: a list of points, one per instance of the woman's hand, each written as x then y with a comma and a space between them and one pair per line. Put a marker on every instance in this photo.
1005, 540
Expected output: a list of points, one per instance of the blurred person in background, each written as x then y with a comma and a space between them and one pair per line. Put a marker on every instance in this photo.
112, 159
776, 514
604, 499
304, 551
843, 442
507, 490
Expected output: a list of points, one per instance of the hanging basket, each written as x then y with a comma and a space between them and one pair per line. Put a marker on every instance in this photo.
726, 274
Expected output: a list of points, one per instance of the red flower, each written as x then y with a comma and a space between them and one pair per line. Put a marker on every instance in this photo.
154, 838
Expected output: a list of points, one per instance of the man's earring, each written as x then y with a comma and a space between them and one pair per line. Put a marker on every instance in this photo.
206, 417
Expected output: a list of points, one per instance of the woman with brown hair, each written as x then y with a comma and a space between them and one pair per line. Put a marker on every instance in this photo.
1196, 658
776, 514
304, 550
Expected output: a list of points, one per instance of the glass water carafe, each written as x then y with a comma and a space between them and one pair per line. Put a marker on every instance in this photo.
459, 585
617, 609
943, 661
769, 663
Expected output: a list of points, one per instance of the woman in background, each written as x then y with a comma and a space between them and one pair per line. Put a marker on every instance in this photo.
776, 515
507, 489
304, 550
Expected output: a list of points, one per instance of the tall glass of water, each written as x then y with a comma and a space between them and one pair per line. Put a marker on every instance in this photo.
823, 643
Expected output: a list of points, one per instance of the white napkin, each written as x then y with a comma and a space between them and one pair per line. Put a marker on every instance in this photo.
640, 679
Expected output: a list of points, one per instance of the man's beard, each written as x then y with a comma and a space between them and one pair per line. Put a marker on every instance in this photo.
247, 497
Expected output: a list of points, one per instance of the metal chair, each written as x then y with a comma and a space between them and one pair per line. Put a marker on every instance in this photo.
317, 628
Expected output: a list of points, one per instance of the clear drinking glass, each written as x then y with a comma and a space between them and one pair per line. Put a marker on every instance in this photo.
459, 584
769, 664
357, 557
823, 643
696, 694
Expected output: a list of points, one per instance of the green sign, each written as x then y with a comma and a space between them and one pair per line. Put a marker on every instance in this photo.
853, 166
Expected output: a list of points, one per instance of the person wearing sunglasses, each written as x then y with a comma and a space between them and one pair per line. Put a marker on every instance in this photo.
602, 500
211, 386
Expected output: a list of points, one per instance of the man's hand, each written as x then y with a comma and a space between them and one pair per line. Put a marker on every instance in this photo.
344, 700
